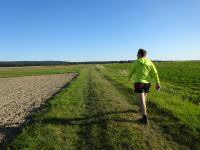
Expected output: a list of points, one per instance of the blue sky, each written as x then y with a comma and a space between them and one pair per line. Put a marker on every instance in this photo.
87, 30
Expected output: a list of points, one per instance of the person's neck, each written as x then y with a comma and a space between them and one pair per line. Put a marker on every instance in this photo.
140, 57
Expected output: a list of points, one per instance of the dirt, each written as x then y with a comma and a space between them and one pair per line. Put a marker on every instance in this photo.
19, 96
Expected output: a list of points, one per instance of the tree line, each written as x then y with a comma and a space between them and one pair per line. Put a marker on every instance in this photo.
53, 63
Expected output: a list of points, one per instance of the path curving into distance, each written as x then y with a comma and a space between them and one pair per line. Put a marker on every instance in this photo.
97, 113
113, 121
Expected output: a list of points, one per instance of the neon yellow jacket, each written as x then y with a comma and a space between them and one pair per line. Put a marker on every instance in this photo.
143, 71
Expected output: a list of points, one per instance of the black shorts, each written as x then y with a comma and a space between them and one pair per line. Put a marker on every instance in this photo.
142, 87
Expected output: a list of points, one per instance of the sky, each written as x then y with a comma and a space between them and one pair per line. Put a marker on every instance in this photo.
99, 30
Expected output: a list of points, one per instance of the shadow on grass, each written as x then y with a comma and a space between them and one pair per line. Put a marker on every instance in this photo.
10, 131
93, 133
167, 122
95, 119
7, 133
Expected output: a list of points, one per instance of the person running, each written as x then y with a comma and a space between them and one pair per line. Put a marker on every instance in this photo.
143, 71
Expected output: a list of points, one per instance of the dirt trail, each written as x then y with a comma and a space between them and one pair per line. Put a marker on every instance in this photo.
117, 123
19, 96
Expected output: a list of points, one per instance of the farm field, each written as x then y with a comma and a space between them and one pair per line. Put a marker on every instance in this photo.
98, 110
19, 96
6, 72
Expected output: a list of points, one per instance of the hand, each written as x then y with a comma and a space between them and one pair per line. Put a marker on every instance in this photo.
158, 87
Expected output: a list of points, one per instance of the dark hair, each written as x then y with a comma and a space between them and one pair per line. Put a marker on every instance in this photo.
142, 52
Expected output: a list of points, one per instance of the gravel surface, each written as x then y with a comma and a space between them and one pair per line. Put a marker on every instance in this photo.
20, 95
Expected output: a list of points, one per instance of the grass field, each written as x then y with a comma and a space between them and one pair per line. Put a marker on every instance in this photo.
37, 70
99, 110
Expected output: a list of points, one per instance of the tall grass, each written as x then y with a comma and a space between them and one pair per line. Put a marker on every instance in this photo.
170, 98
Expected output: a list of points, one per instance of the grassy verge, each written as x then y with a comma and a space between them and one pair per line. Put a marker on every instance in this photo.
54, 127
112, 123
105, 127
186, 111
169, 112
97, 111
91, 114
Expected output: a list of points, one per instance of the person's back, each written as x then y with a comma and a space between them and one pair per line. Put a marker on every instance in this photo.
144, 72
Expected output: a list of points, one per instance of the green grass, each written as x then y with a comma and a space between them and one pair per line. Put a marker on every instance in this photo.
31, 71
180, 78
99, 111
172, 96
49, 130
169, 101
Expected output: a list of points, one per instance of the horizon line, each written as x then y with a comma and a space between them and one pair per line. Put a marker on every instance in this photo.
95, 60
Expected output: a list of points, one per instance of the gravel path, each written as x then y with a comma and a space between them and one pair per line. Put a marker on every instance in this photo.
20, 95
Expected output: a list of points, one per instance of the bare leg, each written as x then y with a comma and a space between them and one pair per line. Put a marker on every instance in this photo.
146, 94
142, 101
